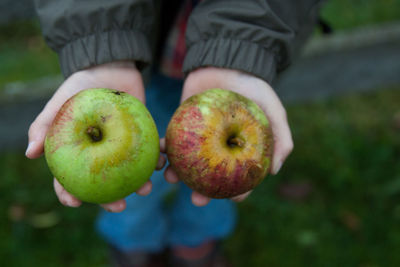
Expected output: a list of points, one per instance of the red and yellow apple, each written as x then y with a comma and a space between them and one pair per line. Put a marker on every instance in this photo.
102, 145
219, 143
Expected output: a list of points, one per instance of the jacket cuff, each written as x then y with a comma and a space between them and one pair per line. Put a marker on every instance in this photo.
103, 47
232, 54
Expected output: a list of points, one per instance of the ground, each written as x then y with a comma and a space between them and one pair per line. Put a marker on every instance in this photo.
335, 202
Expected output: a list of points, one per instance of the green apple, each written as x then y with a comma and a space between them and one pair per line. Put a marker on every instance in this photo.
102, 145
219, 143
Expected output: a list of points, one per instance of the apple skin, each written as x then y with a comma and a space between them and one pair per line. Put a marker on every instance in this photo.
219, 143
102, 145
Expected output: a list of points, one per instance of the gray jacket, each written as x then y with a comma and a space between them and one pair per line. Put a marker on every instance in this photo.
256, 36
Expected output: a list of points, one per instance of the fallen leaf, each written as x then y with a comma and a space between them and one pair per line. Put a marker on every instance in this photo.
295, 190
351, 220
396, 120
16, 212
45, 220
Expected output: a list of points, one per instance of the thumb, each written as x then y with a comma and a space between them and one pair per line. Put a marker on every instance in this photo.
37, 133
39, 127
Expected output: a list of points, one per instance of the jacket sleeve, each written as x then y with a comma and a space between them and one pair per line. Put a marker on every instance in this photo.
256, 36
87, 33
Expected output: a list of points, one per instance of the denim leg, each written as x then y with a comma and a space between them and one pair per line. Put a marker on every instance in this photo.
191, 225
143, 225
162, 99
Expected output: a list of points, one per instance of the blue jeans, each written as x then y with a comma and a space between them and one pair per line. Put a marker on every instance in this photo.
149, 223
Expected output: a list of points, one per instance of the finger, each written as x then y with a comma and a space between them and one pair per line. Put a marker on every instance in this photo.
241, 197
162, 145
37, 134
34, 149
199, 200
161, 162
64, 197
116, 206
39, 127
170, 175
145, 189
283, 142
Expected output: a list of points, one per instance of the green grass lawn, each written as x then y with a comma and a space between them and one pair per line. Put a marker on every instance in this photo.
346, 14
24, 55
336, 201
35, 230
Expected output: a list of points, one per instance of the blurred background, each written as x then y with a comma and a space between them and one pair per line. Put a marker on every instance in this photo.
336, 202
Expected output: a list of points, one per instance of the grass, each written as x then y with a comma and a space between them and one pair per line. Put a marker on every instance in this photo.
24, 55
35, 230
346, 155
336, 201
345, 14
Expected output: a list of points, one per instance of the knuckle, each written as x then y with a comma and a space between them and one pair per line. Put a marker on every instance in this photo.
284, 113
288, 148
63, 200
32, 129
285, 148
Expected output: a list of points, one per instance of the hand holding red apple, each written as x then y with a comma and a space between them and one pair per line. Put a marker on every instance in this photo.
253, 88
122, 76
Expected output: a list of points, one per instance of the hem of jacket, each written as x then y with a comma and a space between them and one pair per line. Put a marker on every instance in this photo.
232, 54
104, 47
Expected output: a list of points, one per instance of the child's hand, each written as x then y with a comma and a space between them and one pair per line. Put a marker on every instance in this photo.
122, 76
253, 88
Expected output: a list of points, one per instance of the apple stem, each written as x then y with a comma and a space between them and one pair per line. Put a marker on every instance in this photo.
94, 133
235, 142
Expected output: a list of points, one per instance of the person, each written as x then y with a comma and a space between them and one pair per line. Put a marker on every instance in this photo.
235, 45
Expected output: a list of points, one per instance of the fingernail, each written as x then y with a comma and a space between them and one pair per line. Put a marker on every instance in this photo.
277, 167
107, 209
30, 145
160, 162
72, 203
115, 209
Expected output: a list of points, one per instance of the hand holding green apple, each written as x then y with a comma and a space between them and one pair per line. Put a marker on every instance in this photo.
102, 146
122, 76
254, 89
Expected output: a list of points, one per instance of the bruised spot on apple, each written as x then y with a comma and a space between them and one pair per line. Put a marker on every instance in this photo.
219, 143
102, 146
